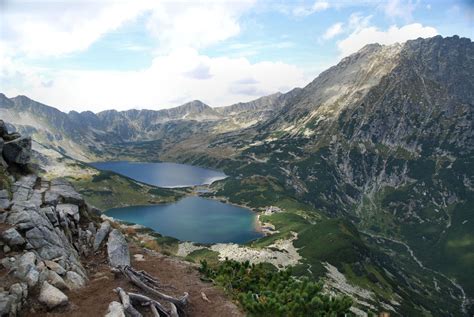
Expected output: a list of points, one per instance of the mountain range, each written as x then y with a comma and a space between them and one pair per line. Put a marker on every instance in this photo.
384, 140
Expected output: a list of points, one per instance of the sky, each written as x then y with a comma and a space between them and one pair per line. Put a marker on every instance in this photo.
151, 54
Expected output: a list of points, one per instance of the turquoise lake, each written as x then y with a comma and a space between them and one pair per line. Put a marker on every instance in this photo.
194, 219
169, 175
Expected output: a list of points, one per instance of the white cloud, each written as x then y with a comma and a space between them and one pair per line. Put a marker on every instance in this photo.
196, 24
55, 28
358, 21
52, 28
316, 7
333, 30
400, 9
178, 72
172, 79
371, 34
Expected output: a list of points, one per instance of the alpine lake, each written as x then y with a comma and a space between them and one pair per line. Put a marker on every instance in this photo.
192, 218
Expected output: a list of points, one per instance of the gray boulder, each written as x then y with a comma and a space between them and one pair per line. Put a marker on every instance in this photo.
17, 151
4, 194
61, 191
115, 310
6, 303
54, 279
101, 234
18, 292
27, 218
51, 296
74, 280
26, 269
19, 289
70, 210
26, 262
50, 212
55, 267
12, 237
5, 203
117, 249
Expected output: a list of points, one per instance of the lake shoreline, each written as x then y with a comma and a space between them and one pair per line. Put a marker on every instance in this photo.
194, 218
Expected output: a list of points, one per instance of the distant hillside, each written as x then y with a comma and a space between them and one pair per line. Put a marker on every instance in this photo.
383, 139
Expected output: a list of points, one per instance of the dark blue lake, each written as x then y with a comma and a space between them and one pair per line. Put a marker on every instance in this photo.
163, 174
194, 219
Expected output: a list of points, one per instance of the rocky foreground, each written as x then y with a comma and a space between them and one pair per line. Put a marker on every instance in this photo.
53, 248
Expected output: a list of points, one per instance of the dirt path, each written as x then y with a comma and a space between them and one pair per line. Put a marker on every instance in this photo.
94, 299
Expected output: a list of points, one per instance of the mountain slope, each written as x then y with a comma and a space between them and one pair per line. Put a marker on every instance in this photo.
384, 139
395, 155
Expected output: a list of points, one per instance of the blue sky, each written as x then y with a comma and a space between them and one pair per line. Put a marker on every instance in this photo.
96, 55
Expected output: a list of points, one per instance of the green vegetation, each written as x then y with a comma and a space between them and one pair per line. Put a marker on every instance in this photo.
197, 256
5, 182
107, 190
263, 291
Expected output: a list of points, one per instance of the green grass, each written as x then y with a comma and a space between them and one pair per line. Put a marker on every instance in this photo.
109, 190
212, 257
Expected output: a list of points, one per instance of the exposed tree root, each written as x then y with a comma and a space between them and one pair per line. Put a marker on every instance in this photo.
152, 286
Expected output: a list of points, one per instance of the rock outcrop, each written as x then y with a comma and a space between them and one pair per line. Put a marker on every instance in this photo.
45, 229
101, 234
17, 151
117, 249
14, 148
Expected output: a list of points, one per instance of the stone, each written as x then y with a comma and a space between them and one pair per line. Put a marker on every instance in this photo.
32, 277
26, 262
61, 191
17, 151
55, 267
115, 310
20, 290
9, 263
70, 210
54, 279
26, 219
94, 210
6, 249
52, 296
26, 269
5, 203
6, 302
3, 216
51, 198
74, 280
92, 228
4, 194
139, 257
13, 238
50, 212
40, 237
101, 234
3, 129
117, 249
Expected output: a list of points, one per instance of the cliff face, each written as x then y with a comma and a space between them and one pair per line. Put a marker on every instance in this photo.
45, 228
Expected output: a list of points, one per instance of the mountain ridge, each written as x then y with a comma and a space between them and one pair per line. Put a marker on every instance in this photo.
383, 139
